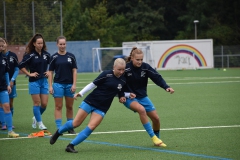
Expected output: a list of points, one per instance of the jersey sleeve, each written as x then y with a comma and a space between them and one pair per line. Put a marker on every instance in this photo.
100, 79
74, 62
157, 78
25, 61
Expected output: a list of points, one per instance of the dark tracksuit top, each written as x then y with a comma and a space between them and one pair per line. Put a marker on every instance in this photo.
137, 79
4, 68
12, 62
35, 63
63, 65
108, 86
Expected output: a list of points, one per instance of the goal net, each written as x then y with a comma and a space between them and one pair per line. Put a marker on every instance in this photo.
103, 58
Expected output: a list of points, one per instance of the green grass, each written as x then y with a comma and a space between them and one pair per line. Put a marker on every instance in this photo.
202, 98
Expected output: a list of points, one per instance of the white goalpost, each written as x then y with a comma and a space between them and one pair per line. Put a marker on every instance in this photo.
103, 58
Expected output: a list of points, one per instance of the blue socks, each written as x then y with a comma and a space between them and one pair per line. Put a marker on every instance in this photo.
58, 123
12, 110
36, 113
149, 129
42, 110
157, 133
8, 119
2, 117
67, 126
82, 136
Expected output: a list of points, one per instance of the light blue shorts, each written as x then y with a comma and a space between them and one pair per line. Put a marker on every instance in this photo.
61, 90
13, 94
89, 109
38, 87
4, 97
145, 102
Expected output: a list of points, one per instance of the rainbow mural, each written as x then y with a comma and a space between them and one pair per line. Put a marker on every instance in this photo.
181, 49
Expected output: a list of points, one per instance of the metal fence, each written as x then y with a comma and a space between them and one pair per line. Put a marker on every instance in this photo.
226, 56
19, 20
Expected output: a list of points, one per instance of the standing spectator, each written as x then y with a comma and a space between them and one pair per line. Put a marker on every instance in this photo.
64, 65
137, 73
34, 65
5, 90
13, 73
107, 85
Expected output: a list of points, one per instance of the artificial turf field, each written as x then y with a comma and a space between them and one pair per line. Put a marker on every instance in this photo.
201, 120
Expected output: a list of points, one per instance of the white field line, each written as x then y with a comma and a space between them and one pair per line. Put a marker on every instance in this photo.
131, 131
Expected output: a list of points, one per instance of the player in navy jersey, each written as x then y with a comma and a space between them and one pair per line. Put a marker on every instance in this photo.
35, 64
137, 73
108, 84
64, 65
13, 73
5, 90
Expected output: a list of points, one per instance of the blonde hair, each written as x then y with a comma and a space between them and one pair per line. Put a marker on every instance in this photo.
134, 51
119, 61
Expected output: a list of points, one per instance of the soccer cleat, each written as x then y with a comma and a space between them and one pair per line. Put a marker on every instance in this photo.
158, 142
70, 148
54, 137
34, 123
42, 127
4, 127
12, 134
71, 131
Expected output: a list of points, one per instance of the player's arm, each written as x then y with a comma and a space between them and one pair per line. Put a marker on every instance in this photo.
87, 88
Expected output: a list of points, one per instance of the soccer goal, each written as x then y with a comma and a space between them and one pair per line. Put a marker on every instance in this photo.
103, 58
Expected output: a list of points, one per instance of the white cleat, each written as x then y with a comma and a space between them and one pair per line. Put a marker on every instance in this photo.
34, 123
42, 127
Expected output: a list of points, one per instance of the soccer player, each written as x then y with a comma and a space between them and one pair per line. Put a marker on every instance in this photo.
13, 73
34, 65
108, 84
5, 90
64, 65
137, 73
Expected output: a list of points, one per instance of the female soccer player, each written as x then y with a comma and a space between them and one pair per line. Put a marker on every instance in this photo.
64, 65
108, 84
34, 65
13, 73
5, 89
137, 73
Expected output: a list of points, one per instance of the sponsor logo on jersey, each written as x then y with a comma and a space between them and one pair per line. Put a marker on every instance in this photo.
129, 74
45, 57
119, 87
143, 74
11, 59
109, 75
3, 62
69, 60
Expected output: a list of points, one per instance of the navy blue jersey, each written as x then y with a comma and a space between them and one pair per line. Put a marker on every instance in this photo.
12, 62
35, 62
108, 86
4, 68
137, 79
63, 66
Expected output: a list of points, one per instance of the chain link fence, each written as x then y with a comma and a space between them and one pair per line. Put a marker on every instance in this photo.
19, 21
226, 56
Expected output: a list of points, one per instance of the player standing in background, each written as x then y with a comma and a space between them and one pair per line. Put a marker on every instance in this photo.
13, 73
34, 65
108, 84
64, 65
5, 90
137, 73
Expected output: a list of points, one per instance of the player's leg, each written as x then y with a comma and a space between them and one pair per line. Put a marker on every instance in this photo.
95, 119
80, 117
2, 120
44, 95
4, 100
12, 95
69, 100
58, 98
